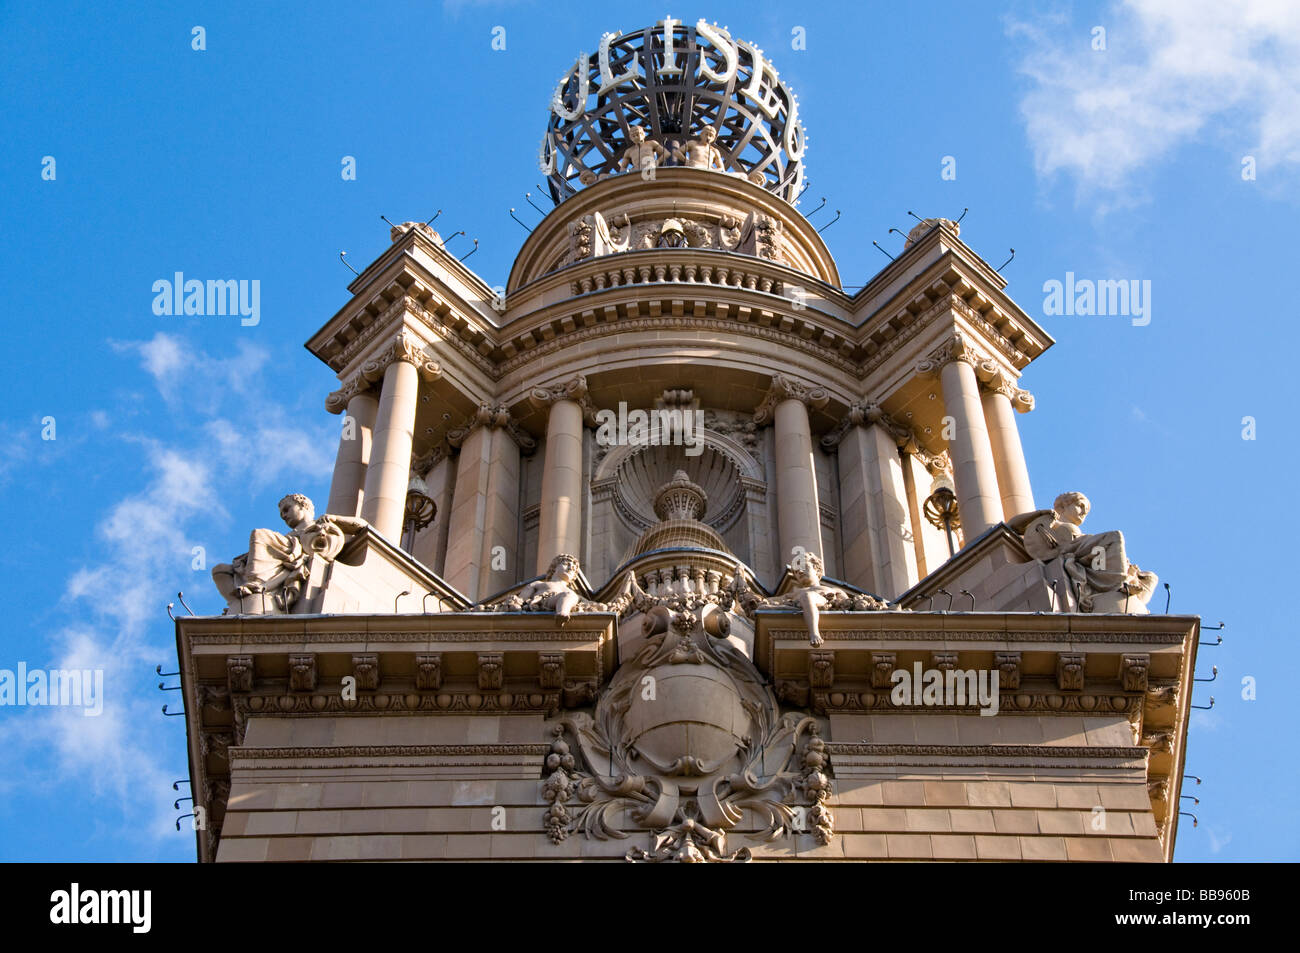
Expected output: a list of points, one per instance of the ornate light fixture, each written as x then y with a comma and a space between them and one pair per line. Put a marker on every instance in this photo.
420, 511
941, 509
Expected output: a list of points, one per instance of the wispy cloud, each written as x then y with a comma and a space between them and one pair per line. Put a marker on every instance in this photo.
185, 376
145, 547
1173, 71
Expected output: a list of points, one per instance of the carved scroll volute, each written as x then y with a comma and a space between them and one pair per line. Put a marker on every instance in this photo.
492, 417
787, 388
574, 389
403, 346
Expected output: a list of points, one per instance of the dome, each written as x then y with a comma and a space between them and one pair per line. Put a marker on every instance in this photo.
673, 94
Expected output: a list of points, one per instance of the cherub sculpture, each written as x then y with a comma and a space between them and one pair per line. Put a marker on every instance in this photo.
277, 563
1096, 564
701, 153
810, 596
642, 154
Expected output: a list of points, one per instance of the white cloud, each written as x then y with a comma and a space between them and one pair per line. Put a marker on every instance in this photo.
1174, 71
145, 548
1217, 843
187, 376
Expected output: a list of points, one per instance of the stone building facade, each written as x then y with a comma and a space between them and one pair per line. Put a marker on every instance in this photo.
675, 550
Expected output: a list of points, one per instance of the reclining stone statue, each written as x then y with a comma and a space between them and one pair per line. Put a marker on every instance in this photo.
554, 593
1095, 565
276, 564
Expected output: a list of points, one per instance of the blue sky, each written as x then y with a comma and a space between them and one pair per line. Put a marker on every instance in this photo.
176, 432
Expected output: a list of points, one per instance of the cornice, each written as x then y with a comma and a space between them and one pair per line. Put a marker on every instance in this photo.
844, 749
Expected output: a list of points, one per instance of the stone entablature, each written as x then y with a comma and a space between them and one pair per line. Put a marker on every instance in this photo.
1128, 672
238, 669
469, 709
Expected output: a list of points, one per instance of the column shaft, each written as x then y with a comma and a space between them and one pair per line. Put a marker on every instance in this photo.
874, 508
560, 518
798, 516
972, 455
1008, 455
348, 486
484, 514
389, 471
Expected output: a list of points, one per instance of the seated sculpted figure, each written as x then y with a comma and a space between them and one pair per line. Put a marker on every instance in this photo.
812, 596
554, 593
701, 153
277, 562
1096, 564
642, 154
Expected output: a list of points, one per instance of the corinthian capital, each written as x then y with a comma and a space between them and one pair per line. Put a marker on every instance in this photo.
952, 348
866, 414
402, 346
994, 378
574, 389
337, 401
493, 418
787, 388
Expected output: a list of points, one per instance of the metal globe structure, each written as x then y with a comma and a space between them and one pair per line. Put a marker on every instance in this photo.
673, 80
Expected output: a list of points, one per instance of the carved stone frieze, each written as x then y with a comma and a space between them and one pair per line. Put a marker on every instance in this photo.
1027, 701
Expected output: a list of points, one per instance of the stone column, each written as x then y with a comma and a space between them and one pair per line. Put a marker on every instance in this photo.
974, 474
560, 516
798, 515
1001, 399
347, 487
485, 503
389, 471
439, 473
878, 554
